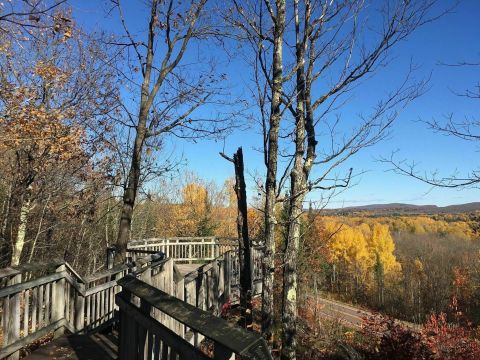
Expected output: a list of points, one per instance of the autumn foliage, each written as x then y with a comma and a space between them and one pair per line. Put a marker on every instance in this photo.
436, 339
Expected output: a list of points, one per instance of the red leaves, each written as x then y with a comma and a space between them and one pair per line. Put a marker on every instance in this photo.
437, 339
226, 308
446, 341
389, 339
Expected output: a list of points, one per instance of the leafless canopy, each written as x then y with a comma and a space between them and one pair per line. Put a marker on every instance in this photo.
467, 129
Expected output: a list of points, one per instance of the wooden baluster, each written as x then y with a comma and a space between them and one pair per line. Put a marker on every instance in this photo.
34, 308
106, 304
47, 303
41, 322
26, 311
11, 324
88, 299
80, 309
58, 300
227, 275
72, 305
102, 305
97, 308
157, 347
67, 302
141, 332
215, 286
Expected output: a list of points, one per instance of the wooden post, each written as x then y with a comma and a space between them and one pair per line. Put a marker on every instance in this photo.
217, 249
227, 274
215, 278
11, 324
58, 300
80, 310
110, 256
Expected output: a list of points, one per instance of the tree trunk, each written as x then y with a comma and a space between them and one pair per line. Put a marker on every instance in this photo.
39, 229
130, 192
131, 189
244, 241
289, 310
297, 195
17, 247
271, 179
302, 164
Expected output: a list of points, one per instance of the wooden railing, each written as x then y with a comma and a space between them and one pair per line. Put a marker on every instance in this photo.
190, 249
39, 299
33, 308
144, 335
181, 249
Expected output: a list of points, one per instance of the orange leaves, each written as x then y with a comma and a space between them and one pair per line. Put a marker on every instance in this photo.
39, 132
50, 73
63, 25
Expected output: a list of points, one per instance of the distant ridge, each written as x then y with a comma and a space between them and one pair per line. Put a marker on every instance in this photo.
401, 208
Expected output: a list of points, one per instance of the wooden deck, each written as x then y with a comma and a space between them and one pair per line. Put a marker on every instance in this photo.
187, 268
78, 347
165, 306
89, 347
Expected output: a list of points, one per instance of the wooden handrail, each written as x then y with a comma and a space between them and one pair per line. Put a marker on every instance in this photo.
19, 269
16, 288
106, 273
247, 344
59, 300
83, 303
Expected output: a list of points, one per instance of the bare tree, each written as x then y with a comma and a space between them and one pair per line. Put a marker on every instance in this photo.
244, 248
467, 129
262, 25
332, 51
17, 17
169, 90
330, 41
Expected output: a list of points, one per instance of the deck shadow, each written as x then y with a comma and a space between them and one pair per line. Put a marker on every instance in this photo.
77, 347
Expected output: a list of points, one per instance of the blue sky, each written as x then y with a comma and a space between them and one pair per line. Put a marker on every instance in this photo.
451, 39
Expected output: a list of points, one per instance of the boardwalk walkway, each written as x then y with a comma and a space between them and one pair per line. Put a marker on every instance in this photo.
96, 346
161, 304
78, 347
163, 307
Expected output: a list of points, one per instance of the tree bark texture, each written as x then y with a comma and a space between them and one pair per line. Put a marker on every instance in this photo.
271, 178
245, 251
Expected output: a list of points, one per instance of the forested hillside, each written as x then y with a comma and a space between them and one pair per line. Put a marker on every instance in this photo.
405, 266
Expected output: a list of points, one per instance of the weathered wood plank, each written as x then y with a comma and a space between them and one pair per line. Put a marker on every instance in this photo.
16, 288
167, 337
7, 350
106, 273
12, 323
234, 338
99, 288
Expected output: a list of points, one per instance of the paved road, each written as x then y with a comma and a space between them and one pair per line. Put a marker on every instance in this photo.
348, 314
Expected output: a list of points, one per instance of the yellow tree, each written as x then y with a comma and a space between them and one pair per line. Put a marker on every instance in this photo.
194, 214
381, 247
